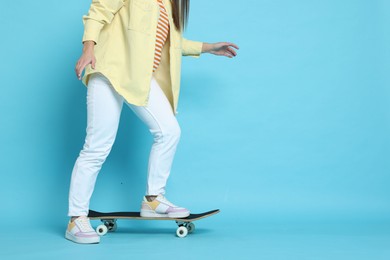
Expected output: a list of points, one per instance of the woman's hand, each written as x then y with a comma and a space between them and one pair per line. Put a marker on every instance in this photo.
88, 57
220, 49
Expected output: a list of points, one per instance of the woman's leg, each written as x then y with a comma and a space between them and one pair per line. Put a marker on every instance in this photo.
162, 123
104, 107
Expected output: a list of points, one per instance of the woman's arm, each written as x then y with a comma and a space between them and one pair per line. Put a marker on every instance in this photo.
100, 13
88, 57
195, 48
191, 48
220, 49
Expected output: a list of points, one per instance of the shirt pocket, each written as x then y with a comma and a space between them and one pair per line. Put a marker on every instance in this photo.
141, 16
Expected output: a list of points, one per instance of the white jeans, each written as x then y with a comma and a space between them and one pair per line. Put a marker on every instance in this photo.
104, 107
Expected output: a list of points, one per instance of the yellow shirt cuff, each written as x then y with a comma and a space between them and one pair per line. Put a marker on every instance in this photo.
92, 30
191, 48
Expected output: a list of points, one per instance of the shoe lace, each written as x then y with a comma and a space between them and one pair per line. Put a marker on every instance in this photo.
84, 225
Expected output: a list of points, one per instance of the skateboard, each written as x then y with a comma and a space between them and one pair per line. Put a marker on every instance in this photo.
185, 225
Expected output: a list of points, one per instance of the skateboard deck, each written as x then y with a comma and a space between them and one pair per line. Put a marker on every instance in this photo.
185, 225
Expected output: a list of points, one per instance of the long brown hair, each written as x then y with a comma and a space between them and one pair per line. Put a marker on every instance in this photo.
180, 11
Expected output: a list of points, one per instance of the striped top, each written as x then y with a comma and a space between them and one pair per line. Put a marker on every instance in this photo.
162, 34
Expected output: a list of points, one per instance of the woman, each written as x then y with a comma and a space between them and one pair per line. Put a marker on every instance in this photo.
132, 54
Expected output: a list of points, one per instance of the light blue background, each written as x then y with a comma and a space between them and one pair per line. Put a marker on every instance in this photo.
290, 139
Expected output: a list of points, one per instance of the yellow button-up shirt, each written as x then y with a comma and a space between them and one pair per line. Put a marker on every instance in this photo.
125, 35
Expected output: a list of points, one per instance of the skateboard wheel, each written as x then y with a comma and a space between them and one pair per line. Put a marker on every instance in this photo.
182, 231
101, 230
190, 227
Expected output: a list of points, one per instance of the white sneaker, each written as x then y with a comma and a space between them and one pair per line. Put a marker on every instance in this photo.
160, 207
80, 231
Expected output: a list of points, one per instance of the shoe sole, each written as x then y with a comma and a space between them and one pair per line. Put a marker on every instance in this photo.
72, 238
153, 214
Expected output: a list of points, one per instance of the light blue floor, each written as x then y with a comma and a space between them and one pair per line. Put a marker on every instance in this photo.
238, 238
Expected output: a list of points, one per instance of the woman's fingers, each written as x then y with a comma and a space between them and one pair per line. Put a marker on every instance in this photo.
93, 63
82, 63
78, 68
233, 45
228, 54
81, 69
231, 51
226, 49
